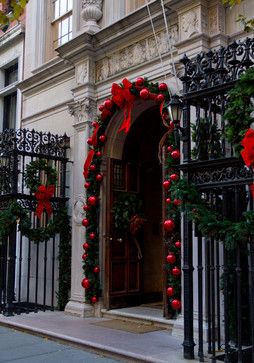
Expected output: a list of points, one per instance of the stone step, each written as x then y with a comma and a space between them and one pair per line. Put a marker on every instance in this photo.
141, 315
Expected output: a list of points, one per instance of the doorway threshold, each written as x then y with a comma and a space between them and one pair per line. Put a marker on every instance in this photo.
145, 314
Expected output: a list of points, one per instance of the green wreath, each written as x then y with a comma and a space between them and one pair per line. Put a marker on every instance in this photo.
15, 214
124, 208
33, 173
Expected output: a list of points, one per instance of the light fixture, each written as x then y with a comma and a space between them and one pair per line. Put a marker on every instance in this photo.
175, 109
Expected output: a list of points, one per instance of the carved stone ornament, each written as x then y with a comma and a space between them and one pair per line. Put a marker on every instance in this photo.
83, 111
190, 24
78, 211
91, 13
135, 54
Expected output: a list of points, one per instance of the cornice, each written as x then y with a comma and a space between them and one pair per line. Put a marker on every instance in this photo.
136, 24
47, 74
12, 36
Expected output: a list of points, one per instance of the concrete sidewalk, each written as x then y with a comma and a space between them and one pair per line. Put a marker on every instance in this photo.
22, 347
156, 347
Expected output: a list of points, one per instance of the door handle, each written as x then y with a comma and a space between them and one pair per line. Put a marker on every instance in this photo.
108, 238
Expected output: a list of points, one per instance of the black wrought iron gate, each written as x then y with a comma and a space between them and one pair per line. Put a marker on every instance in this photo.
218, 283
29, 270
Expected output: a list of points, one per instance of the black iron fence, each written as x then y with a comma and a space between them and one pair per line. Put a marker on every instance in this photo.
28, 269
218, 282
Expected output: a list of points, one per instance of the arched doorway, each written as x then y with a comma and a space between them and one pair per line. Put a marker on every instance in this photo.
134, 268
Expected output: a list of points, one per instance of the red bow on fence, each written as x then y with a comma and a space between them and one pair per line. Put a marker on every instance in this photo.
43, 195
248, 152
124, 99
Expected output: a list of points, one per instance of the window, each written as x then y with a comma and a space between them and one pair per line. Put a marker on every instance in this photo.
11, 75
62, 21
8, 101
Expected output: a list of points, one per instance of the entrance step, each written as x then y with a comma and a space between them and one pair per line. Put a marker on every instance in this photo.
140, 314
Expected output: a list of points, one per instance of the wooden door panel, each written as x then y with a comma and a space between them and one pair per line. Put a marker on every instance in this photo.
124, 265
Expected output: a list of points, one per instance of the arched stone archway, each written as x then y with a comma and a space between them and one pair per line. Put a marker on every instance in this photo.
128, 279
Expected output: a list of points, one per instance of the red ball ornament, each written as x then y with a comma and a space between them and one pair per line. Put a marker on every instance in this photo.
177, 202
94, 300
170, 148
92, 167
108, 104
163, 87
176, 304
94, 123
101, 108
86, 208
160, 98
98, 154
85, 283
170, 291
102, 138
166, 184
90, 141
84, 256
171, 258
174, 177
99, 177
96, 269
92, 235
139, 81
176, 271
144, 93
178, 244
169, 225
85, 222
87, 185
175, 154
85, 246
92, 200
168, 200
153, 96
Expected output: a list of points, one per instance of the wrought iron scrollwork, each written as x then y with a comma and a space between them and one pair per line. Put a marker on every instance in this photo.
217, 67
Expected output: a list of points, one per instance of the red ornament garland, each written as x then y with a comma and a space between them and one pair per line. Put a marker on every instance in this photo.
123, 97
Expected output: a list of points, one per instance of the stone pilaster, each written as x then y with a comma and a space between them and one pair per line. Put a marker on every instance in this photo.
91, 13
83, 112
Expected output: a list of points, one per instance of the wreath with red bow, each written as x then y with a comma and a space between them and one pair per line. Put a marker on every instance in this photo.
41, 179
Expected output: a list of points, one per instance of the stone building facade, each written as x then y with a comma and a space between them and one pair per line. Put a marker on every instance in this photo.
71, 55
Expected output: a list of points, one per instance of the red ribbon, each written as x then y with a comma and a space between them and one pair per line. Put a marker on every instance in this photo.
124, 99
94, 136
43, 195
248, 144
88, 163
248, 152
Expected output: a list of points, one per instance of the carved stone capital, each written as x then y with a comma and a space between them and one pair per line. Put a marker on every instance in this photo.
91, 13
83, 111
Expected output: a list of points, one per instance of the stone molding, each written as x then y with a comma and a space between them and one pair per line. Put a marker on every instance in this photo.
83, 111
135, 54
216, 20
91, 13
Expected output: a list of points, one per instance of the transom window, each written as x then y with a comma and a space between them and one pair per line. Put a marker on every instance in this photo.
62, 21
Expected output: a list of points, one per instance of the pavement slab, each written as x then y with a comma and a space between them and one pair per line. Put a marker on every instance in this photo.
156, 347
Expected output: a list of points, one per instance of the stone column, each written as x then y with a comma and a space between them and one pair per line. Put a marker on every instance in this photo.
83, 112
91, 13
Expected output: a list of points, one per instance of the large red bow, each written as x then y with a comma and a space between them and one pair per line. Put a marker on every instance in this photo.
43, 195
248, 144
248, 152
124, 99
